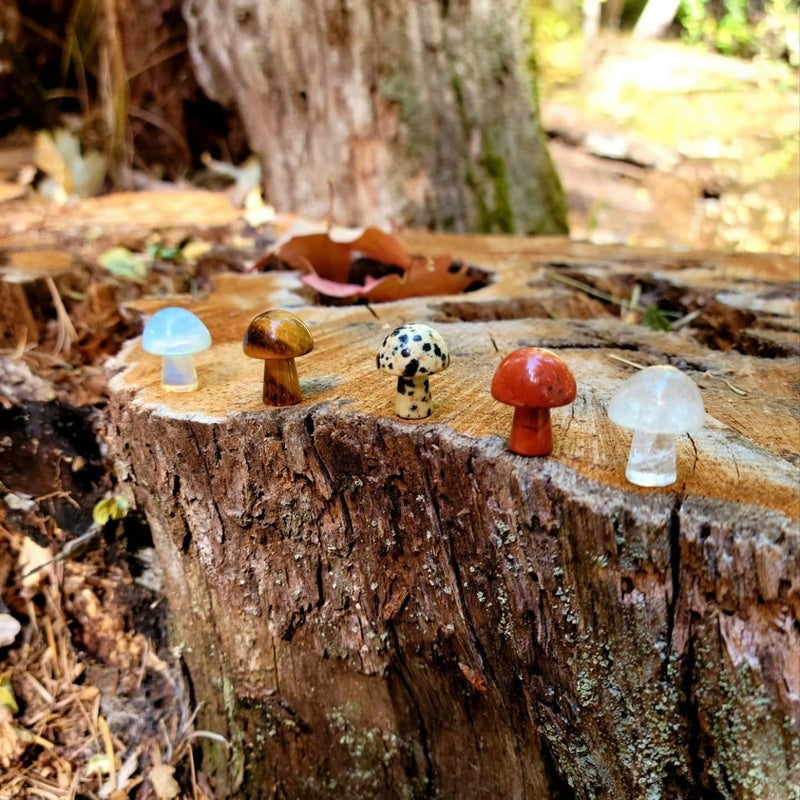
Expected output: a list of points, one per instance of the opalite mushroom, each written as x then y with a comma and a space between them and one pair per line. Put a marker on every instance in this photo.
413, 352
176, 334
658, 404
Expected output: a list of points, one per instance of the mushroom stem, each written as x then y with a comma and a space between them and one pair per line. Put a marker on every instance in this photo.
531, 434
178, 374
652, 459
281, 384
413, 399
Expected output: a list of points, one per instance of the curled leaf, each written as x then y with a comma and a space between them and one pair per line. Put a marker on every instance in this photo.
373, 265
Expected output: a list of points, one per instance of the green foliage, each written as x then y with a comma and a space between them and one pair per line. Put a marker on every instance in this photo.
736, 29
655, 319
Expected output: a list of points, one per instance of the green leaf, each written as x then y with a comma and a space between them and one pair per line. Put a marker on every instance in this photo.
110, 508
655, 319
162, 252
7, 698
122, 263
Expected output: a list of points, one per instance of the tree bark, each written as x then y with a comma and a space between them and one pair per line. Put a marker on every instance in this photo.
411, 112
375, 608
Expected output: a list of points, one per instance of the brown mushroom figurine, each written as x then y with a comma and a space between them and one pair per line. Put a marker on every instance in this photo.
533, 380
278, 337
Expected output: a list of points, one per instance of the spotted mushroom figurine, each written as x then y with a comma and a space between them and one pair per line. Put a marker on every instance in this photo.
176, 335
277, 337
658, 404
533, 380
413, 353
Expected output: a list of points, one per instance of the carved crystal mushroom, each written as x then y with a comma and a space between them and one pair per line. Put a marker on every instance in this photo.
658, 404
176, 335
533, 380
413, 353
278, 337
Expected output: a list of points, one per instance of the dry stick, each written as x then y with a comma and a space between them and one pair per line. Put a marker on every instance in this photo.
627, 305
66, 330
105, 734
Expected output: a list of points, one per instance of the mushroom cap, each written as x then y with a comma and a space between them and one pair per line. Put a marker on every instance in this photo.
413, 351
533, 377
175, 332
658, 399
277, 334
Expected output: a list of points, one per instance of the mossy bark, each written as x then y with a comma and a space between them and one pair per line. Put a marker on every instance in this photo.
419, 113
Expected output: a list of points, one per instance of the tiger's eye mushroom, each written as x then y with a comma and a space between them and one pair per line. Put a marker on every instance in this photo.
533, 380
658, 404
176, 334
278, 337
413, 353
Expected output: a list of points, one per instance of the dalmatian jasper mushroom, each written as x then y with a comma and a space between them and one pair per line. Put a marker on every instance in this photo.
413, 353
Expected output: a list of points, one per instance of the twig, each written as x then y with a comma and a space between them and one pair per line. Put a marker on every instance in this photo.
690, 317
105, 734
625, 361
66, 330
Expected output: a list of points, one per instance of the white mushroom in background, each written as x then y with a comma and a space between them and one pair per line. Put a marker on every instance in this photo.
658, 404
413, 353
176, 334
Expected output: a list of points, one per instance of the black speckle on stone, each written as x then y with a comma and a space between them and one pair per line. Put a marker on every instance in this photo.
429, 412
423, 370
405, 352
378, 359
403, 337
417, 337
413, 406
427, 347
411, 368
437, 350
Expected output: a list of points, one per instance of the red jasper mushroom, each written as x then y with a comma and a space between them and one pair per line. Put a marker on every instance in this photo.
533, 380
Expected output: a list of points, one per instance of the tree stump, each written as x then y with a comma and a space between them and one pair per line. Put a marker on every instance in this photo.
405, 112
369, 607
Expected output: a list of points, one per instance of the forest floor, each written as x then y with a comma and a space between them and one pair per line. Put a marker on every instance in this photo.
657, 145
662, 144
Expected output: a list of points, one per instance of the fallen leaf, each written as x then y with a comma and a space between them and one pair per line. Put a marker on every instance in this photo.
69, 173
32, 560
164, 784
122, 263
374, 265
9, 628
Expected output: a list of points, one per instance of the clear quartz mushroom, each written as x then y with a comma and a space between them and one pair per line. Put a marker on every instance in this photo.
658, 404
413, 353
176, 335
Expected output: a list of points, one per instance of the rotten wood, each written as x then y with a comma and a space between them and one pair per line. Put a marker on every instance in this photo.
369, 607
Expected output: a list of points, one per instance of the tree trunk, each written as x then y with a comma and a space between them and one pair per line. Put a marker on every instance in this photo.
412, 112
369, 607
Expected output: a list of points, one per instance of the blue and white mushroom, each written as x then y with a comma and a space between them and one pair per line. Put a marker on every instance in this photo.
176, 334
413, 353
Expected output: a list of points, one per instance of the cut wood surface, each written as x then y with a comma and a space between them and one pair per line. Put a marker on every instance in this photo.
372, 607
